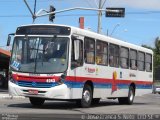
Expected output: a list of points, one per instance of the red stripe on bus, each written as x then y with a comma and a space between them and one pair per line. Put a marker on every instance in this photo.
103, 80
78, 79
34, 78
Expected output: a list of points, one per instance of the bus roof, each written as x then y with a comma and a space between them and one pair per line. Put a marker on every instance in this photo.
95, 35
109, 39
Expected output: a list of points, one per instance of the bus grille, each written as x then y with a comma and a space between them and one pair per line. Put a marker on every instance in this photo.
36, 84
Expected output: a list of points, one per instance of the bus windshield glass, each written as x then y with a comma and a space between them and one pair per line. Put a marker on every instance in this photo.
40, 54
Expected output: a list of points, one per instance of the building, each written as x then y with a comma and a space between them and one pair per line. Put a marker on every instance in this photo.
4, 67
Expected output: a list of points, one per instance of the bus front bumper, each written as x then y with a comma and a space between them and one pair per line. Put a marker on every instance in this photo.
57, 92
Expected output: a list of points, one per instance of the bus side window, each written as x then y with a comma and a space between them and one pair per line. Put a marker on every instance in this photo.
133, 59
113, 55
124, 57
101, 53
89, 50
141, 61
133, 64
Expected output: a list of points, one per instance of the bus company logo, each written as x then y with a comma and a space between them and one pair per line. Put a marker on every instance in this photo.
132, 75
91, 70
34, 84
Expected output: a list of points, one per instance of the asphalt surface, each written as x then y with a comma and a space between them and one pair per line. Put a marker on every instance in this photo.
145, 107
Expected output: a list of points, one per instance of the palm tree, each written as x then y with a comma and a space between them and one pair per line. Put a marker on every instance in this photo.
156, 59
157, 45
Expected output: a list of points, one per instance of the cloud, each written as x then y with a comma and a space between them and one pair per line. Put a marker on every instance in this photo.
141, 4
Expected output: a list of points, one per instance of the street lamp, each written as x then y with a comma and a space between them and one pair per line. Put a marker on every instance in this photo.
117, 25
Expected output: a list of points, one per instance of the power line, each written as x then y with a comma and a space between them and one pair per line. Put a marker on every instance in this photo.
145, 12
18, 16
9, 1
128, 13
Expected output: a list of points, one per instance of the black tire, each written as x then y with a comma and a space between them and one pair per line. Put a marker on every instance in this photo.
128, 100
36, 101
86, 100
95, 101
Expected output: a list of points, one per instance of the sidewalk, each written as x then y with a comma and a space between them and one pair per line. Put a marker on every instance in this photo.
5, 95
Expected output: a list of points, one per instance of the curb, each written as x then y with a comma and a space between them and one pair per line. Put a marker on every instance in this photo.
7, 96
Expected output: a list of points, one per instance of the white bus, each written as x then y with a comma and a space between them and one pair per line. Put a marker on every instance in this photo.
61, 62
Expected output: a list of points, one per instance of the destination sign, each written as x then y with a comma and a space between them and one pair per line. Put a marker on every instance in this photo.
43, 30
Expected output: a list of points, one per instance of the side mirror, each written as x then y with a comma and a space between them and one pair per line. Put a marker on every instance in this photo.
9, 38
77, 50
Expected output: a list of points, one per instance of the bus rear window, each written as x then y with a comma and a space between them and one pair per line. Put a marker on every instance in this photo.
148, 62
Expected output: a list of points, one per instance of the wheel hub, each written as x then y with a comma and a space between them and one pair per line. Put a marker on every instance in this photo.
86, 96
131, 96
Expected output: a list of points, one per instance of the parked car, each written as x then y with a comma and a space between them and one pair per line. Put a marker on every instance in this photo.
156, 87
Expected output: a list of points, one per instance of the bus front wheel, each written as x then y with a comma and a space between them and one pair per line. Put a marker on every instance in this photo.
86, 100
128, 100
36, 101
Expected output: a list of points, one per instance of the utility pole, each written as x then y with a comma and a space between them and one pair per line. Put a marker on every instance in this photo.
35, 5
110, 12
99, 17
100, 7
33, 15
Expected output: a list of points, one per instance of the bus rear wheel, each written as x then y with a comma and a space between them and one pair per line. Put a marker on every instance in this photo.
36, 101
86, 100
128, 100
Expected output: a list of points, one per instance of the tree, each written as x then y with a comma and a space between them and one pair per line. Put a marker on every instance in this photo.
157, 45
157, 53
148, 47
156, 56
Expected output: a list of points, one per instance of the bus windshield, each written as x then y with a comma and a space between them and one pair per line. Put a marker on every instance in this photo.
40, 54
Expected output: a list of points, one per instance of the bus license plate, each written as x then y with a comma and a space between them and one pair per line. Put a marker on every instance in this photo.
33, 92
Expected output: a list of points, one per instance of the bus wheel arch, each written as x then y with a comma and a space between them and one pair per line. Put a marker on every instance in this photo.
134, 87
130, 98
90, 83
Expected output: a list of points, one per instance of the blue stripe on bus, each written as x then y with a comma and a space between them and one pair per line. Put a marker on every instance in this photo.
105, 85
80, 85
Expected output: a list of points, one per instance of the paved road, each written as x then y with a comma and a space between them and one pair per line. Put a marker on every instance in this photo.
21, 108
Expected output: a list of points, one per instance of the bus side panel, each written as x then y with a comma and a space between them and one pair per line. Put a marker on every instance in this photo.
144, 83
